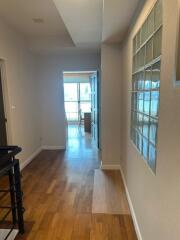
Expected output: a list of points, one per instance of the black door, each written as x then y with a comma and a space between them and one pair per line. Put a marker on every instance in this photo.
3, 135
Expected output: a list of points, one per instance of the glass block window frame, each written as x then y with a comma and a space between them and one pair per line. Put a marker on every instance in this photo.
146, 85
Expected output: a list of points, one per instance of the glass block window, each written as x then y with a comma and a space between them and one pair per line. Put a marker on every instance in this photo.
146, 85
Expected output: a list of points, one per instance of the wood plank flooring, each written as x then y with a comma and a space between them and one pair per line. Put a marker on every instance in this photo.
109, 194
58, 196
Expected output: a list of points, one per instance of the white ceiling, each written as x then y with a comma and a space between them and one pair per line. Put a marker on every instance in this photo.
91, 22
83, 19
69, 25
49, 35
117, 15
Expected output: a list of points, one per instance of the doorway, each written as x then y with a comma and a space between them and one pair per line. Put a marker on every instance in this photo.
81, 102
3, 120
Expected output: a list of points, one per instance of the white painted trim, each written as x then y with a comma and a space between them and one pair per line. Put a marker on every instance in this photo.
29, 159
65, 72
7, 107
45, 147
136, 225
110, 166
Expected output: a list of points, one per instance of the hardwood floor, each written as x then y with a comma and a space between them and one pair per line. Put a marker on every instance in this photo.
109, 194
58, 195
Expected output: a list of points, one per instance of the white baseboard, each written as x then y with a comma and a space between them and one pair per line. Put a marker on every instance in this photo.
136, 225
29, 159
46, 147
110, 166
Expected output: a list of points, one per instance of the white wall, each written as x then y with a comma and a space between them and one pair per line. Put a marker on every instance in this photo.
110, 104
34, 92
155, 198
21, 88
52, 96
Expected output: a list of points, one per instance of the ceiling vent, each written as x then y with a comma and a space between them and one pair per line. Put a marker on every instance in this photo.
38, 20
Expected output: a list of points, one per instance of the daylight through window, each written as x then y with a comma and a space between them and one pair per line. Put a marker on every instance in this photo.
146, 85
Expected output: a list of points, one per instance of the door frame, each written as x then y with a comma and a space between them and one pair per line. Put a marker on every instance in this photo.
99, 108
98, 140
6, 101
98, 71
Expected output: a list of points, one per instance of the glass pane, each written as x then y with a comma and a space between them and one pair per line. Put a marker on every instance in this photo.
133, 135
85, 92
140, 101
139, 143
158, 14
140, 123
70, 91
144, 32
136, 138
142, 57
150, 23
152, 157
147, 84
132, 118
138, 39
153, 131
85, 107
156, 75
146, 127
134, 101
147, 102
71, 109
138, 61
135, 119
134, 64
134, 45
131, 129
154, 103
149, 51
157, 43
140, 81
72, 116
131, 124
145, 148
134, 82
71, 106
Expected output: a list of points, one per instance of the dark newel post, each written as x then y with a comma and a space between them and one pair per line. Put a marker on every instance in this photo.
17, 176
12, 190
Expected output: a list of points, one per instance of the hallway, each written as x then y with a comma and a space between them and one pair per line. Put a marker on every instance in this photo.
58, 195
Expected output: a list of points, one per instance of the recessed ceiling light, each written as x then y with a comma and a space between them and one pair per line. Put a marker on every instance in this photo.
38, 20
